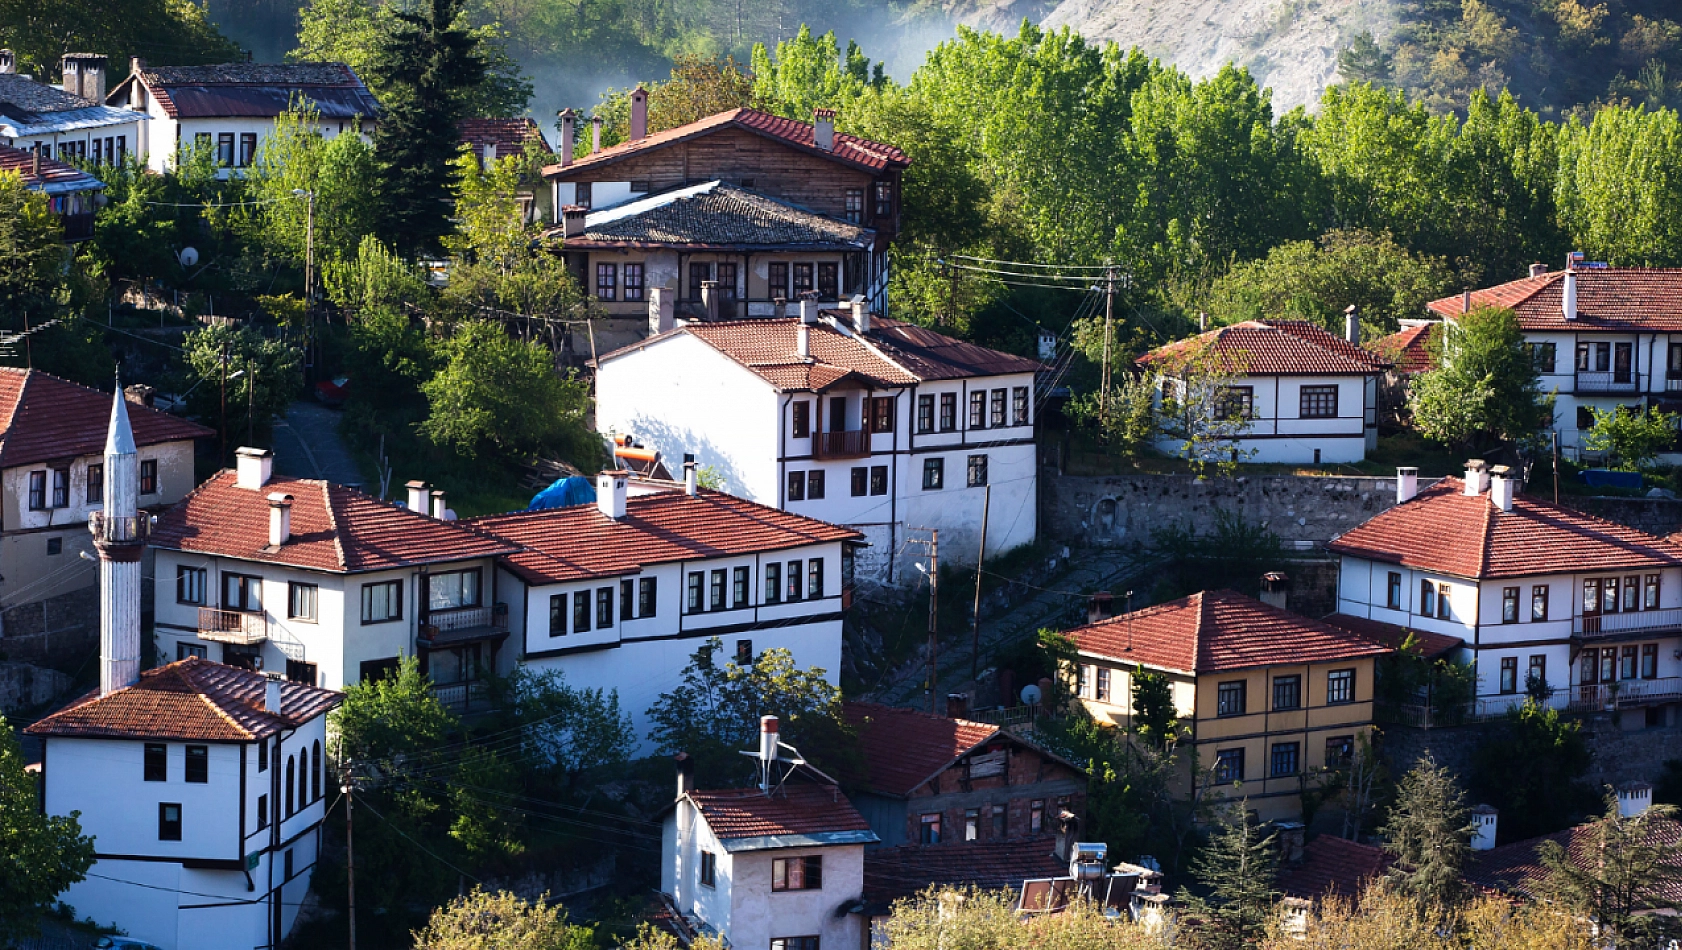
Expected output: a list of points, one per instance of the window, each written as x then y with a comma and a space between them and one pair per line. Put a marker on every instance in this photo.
263, 755
1340, 751
1543, 355
1537, 676
262, 812
1229, 766
627, 600
1427, 598
37, 490
829, 281
291, 775
1083, 677
796, 486
802, 279
814, 484
1340, 687
1632, 594
774, 583
800, 419
934, 474
300, 601
604, 608
122, 146
1393, 591
739, 587
976, 475
1585, 418
189, 585
580, 611
972, 824
794, 943
884, 199
692, 604
607, 281
948, 411
925, 413
1019, 406
1036, 817
998, 409
878, 479
96, 485
716, 590
860, 477
792, 575
557, 615
978, 410
1235, 402
1509, 674
727, 281
247, 148
1650, 594
838, 414
855, 205
61, 488
148, 476
648, 590
744, 652
698, 275
1539, 603
55, 546
315, 773
797, 874
169, 821
999, 818
242, 592
225, 148
1319, 402
882, 414
709, 869
1626, 663
1509, 605
1649, 661
156, 761
1287, 692
1102, 685
185, 650
581, 194
633, 282
1229, 699
382, 602
814, 578
1285, 757
776, 279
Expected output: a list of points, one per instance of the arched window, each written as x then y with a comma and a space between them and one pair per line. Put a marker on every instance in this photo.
289, 774
303, 779
315, 775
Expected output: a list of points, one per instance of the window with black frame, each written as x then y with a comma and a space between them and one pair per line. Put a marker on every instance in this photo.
581, 611
1229, 766
1235, 402
1229, 699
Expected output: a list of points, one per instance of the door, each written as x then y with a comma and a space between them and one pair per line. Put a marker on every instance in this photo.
1591, 605
1621, 369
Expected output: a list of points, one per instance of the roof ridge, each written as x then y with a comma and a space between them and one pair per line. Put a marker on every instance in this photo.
216, 708
328, 504
1197, 631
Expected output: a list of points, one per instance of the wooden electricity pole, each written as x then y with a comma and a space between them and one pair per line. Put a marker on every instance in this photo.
349, 788
1109, 340
975, 614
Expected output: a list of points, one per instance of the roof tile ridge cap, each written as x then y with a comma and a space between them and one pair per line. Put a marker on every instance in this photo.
221, 713
874, 347
328, 503
1561, 512
739, 500
1486, 537
1197, 632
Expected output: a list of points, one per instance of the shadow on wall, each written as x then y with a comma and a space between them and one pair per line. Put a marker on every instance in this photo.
673, 444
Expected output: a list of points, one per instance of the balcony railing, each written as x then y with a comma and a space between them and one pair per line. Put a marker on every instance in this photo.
1625, 693
109, 528
466, 618
232, 626
1673, 384
462, 697
1613, 382
1602, 625
77, 227
841, 445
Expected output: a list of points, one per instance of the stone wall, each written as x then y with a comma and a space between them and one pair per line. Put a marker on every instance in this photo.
60, 632
1660, 516
23, 686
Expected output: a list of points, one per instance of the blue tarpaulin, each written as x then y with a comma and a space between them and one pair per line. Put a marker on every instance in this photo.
564, 493
1606, 478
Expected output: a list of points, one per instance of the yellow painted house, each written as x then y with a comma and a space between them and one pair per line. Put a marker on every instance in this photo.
1268, 696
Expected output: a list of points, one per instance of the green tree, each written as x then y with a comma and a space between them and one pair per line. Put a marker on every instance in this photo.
1363, 61
1620, 186
1532, 768
496, 393
1485, 390
170, 31
564, 729
1622, 872
32, 256
1199, 409
1128, 422
40, 855
1633, 437
1154, 715
270, 378
481, 920
699, 87
1239, 864
338, 171
809, 72
1429, 832
389, 718
945, 918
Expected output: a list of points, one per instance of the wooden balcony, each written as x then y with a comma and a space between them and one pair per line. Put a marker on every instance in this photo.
232, 626
841, 445
1636, 621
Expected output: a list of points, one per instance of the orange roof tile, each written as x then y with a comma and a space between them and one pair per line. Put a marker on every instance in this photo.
564, 544
902, 748
1408, 350
192, 699
510, 136
1283, 347
46, 418
1334, 866
334, 528
1517, 868
1608, 299
1219, 630
797, 808
1443, 529
56, 177
1430, 645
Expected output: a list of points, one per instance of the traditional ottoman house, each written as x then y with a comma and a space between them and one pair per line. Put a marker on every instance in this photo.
69, 122
73, 195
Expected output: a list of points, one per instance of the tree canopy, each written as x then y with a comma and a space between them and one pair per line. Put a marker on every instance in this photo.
1484, 389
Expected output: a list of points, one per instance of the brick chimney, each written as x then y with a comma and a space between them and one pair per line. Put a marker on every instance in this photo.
639, 114
569, 135
823, 130
84, 75
957, 705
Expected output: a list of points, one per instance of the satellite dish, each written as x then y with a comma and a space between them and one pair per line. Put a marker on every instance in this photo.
188, 256
1030, 695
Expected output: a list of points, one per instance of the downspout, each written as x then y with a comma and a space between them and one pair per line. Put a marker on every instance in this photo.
893, 495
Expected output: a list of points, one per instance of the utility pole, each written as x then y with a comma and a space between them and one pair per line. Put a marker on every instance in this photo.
224, 459
250, 402
349, 789
1556, 466
934, 611
1109, 340
975, 614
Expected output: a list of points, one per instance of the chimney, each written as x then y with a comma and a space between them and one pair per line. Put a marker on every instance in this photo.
709, 300
136, 64
1477, 476
1633, 798
71, 70
438, 506
808, 311
803, 340
1483, 828
84, 75
1275, 589
779, 307
1100, 606
1352, 325
140, 394
1501, 487
1291, 836
823, 129
1202, 322
271, 692
861, 314
610, 493
691, 479
595, 134
1568, 300
35, 163
280, 519
685, 773
1407, 483
767, 750
574, 220
639, 114
417, 496
569, 134
957, 705
8, 63
1537, 270
662, 309
488, 155
252, 467
1084, 864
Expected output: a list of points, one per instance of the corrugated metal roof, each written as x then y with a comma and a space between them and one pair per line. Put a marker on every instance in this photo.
201, 102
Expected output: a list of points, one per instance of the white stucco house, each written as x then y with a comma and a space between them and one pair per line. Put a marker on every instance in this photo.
843, 416
620, 594
1536, 592
70, 121
1294, 392
1601, 337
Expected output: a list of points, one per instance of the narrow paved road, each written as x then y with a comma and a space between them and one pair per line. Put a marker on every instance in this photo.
307, 445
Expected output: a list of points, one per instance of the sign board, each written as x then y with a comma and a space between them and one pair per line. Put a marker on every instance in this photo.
988, 765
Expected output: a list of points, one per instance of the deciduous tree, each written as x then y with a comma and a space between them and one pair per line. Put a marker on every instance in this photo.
1633, 437
40, 855
500, 920
497, 393
1484, 390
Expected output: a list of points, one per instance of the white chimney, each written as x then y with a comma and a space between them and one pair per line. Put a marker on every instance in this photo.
1407, 483
808, 311
1352, 325
8, 62
768, 739
803, 340
1477, 477
417, 496
1501, 487
569, 135
610, 493
1634, 798
823, 129
691, 479
595, 134
489, 153
861, 314
662, 309
1568, 300
438, 506
1483, 828
685, 774
280, 519
1537, 270
252, 467
271, 692
709, 300
639, 114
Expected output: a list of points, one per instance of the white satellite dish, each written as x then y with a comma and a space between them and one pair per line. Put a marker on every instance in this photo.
188, 256
1030, 695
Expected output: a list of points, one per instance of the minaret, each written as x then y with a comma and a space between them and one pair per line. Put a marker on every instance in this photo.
120, 535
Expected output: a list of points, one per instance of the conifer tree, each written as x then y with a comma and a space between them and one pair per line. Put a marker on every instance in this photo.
1629, 882
1430, 833
1239, 866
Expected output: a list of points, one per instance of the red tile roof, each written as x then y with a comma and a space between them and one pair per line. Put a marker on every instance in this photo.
798, 808
1219, 630
1408, 350
1516, 868
1430, 645
1608, 299
849, 149
508, 135
1283, 347
564, 544
193, 699
1332, 865
902, 748
894, 873
55, 175
44, 418
1443, 529
334, 528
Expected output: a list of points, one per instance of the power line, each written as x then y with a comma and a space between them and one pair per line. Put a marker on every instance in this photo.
417, 844
989, 260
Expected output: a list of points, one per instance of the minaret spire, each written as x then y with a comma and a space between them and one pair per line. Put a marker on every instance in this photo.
119, 535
